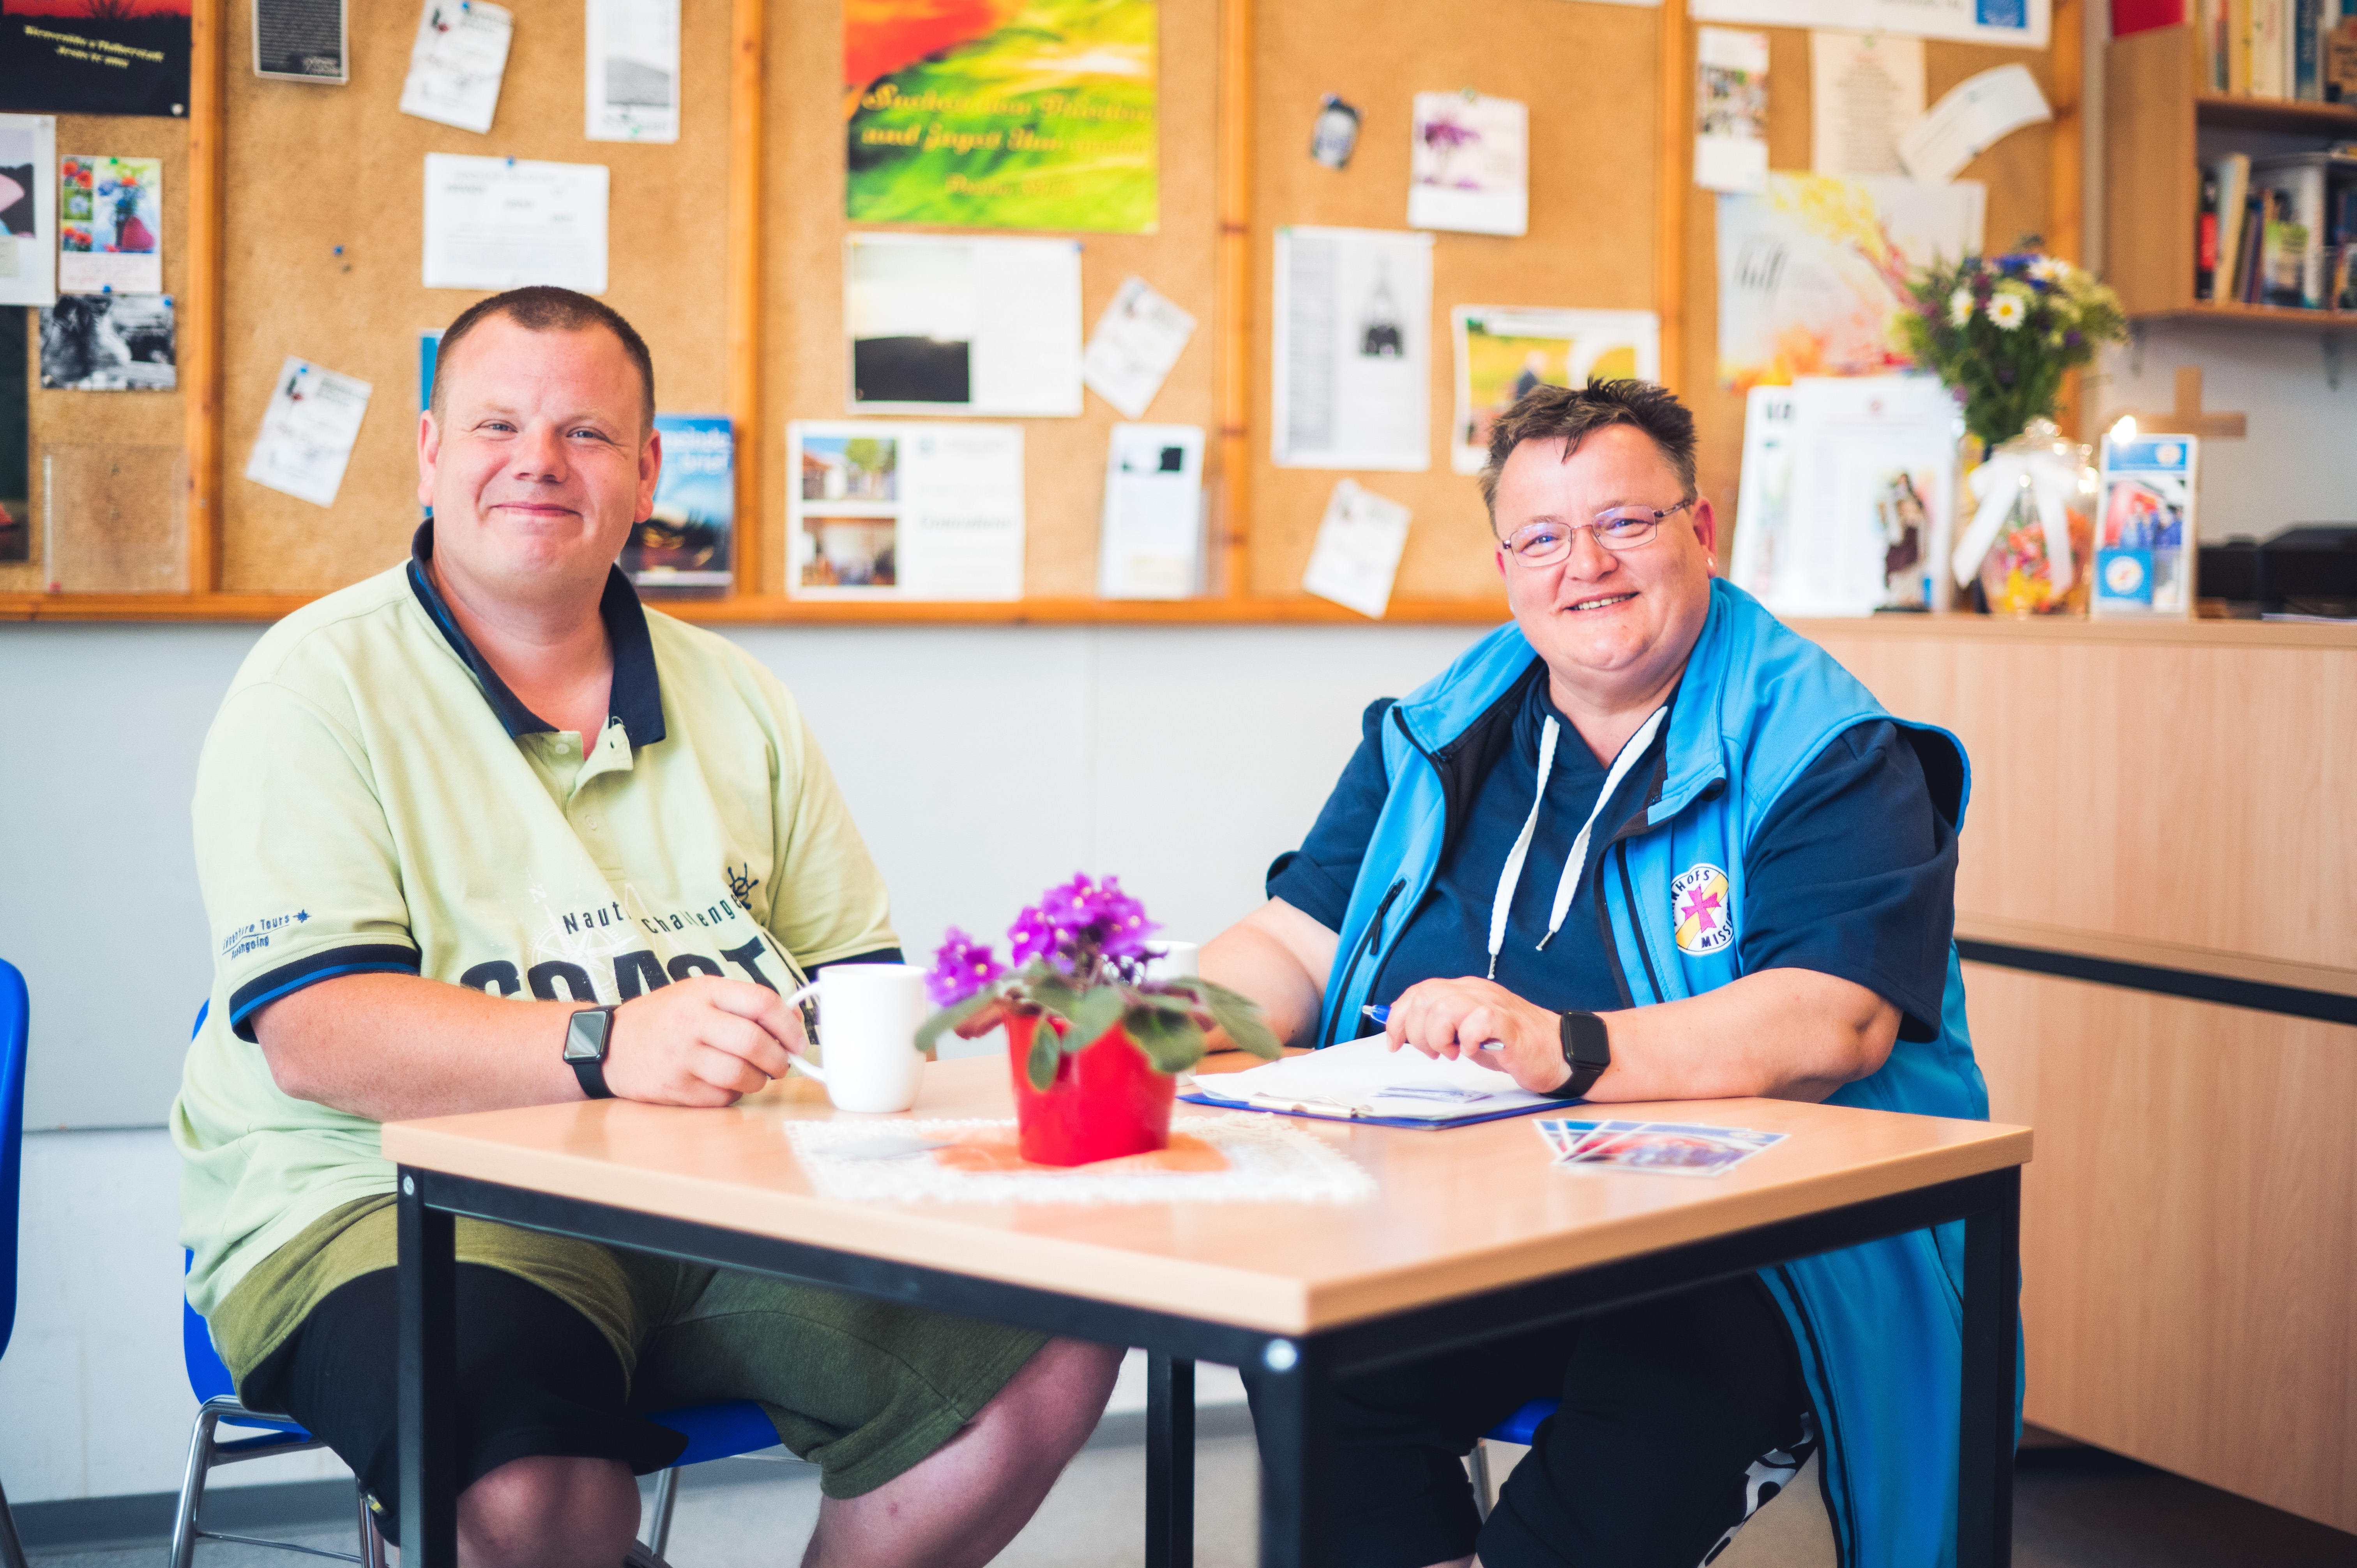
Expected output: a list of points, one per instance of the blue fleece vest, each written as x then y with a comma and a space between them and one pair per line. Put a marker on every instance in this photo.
1880, 1326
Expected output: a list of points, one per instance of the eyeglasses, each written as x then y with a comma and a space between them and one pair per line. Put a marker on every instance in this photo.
1623, 528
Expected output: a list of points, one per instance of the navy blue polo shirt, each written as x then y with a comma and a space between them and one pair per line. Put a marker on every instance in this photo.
1853, 873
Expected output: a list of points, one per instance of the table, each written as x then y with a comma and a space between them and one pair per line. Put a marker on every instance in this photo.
1472, 1235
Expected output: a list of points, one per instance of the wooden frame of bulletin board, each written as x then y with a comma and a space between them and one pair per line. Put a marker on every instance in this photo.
292, 227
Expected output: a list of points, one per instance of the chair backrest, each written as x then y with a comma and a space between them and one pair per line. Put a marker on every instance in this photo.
15, 1010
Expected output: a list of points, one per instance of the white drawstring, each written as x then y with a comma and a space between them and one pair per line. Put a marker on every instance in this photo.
1576, 862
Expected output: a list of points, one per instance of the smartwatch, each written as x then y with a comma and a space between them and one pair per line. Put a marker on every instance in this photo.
589, 1036
1586, 1051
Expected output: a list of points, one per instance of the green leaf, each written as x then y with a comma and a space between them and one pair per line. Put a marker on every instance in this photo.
949, 1018
1054, 992
1240, 1016
1172, 1042
1042, 1067
1097, 1011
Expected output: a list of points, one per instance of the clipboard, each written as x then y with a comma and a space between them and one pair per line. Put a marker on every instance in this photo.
1196, 1094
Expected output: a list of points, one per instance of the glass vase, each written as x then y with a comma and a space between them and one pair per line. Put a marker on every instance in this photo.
2021, 576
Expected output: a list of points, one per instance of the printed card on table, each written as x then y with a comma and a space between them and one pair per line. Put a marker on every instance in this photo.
1653, 1148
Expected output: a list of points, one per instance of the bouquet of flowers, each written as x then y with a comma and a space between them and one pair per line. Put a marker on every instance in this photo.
1080, 957
2002, 331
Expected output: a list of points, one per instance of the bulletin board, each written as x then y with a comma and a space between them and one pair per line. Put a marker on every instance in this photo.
727, 252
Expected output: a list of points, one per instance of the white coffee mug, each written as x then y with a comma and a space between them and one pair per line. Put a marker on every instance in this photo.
1176, 962
868, 1014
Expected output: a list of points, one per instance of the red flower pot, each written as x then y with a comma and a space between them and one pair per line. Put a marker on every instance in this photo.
1106, 1102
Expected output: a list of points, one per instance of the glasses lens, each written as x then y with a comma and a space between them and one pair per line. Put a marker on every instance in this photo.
1540, 544
1625, 530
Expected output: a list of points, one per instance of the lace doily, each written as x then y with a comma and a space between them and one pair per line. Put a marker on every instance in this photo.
1260, 1159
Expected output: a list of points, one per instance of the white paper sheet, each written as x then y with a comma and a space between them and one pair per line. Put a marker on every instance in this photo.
885, 509
954, 325
506, 223
1971, 117
1353, 349
632, 91
1864, 89
309, 432
1367, 1076
456, 64
1730, 110
1504, 351
1139, 339
2013, 24
1470, 164
1152, 543
28, 210
1357, 554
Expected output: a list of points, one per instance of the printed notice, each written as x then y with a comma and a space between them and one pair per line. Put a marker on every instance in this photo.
506, 223
1470, 164
1354, 349
1358, 551
1153, 543
942, 324
1138, 339
309, 432
1974, 115
1865, 89
1731, 110
457, 61
2012, 24
882, 509
633, 59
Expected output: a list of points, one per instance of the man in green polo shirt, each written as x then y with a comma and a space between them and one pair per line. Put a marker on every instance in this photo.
441, 812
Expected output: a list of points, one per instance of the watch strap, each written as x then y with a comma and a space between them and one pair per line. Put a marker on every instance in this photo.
1586, 1051
589, 1068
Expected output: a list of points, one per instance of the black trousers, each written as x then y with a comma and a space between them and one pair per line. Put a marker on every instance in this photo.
1680, 1417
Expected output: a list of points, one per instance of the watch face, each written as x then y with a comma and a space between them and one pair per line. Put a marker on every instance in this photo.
585, 1036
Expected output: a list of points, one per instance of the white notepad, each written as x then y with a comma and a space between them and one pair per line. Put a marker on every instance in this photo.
1364, 1078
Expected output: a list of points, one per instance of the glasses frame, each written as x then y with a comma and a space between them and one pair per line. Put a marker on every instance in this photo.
1572, 531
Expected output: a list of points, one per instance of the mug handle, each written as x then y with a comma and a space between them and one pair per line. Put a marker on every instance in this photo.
802, 1061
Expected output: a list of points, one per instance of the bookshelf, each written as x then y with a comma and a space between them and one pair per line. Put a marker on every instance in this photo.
2160, 129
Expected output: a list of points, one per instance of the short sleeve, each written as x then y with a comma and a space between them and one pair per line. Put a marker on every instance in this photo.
297, 863
1317, 878
830, 902
1853, 875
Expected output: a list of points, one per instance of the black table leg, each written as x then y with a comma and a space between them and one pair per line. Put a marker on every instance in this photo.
1984, 1465
429, 1374
1169, 1461
1292, 1412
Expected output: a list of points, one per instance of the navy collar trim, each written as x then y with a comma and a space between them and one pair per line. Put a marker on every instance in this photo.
636, 698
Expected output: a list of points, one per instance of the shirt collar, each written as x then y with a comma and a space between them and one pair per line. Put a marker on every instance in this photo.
636, 698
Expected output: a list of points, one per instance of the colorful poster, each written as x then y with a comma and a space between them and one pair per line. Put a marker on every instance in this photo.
1002, 114
880, 509
110, 225
95, 57
28, 210
1503, 353
1811, 269
2143, 564
683, 543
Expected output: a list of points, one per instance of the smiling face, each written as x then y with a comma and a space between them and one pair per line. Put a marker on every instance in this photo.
1614, 628
537, 463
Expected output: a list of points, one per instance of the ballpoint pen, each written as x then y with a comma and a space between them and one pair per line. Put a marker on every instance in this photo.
1378, 1013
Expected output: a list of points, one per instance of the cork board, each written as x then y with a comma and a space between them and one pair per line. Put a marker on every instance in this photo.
310, 168
804, 350
1588, 72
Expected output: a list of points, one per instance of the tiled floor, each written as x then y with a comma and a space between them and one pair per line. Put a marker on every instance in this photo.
2075, 1509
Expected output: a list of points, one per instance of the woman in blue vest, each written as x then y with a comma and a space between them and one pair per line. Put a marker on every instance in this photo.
1654, 846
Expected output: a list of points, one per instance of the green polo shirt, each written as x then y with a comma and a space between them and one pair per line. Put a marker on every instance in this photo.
371, 797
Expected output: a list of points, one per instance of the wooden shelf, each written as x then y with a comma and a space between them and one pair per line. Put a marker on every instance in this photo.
2267, 316
2294, 116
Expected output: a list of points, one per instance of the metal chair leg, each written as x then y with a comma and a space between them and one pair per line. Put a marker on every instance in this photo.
1478, 1462
192, 1487
12, 1549
371, 1538
659, 1522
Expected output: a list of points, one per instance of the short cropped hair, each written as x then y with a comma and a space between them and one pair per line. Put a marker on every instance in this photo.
544, 308
1570, 415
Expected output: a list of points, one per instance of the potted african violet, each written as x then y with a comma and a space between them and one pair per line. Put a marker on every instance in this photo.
1094, 1040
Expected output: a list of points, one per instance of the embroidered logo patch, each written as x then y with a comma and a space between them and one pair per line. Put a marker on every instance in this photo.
1700, 905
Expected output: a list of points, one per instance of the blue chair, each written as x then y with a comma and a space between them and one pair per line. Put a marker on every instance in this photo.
13, 1013
1519, 1427
713, 1431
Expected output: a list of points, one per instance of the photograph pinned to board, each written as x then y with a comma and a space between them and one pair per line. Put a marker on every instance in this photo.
632, 92
886, 509
2146, 527
1730, 110
456, 63
15, 441
1865, 91
941, 323
1810, 269
1005, 114
1151, 543
110, 225
1334, 133
684, 540
1847, 502
1139, 339
2008, 24
1470, 164
302, 40
1357, 553
504, 223
309, 432
95, 57
28, 210
1502, 352
1352, 351
1970, 118
109, 342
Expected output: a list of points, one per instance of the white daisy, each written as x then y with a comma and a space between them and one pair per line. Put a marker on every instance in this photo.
2006, 310
1960, 308
2048, 269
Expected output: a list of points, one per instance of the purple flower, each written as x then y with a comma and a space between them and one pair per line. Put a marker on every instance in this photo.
1117, 924
1033, 936
1078, 922
962, 966
2072, 339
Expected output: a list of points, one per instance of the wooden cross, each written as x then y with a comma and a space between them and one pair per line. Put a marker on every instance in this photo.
2187, 418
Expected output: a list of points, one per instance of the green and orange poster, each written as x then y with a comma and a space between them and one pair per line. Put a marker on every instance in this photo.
1001, 114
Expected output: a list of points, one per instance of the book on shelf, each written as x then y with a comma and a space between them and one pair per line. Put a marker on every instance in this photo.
2233, 177
2238, 46
2246, 252
2344, 275
2340, 59
2269, 29
2205, 239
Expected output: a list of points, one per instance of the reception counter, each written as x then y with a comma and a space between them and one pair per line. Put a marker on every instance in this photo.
2158, 907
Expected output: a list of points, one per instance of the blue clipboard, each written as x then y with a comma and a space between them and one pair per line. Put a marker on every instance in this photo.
1197, 1096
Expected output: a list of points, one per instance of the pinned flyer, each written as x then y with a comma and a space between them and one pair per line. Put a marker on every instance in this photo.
1471, 164
309, 432
1731, 110
28, 210
456, 63
1139, 339
1357, 555
1972, 117
632, 91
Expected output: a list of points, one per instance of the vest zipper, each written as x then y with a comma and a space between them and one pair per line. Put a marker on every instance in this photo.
1636, 931
1367, 939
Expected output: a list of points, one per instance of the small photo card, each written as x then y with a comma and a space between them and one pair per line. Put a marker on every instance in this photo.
1654, 1148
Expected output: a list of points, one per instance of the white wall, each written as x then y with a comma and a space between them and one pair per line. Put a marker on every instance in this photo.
981, 763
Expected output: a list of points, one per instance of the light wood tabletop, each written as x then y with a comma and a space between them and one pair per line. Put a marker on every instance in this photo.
1459, 1212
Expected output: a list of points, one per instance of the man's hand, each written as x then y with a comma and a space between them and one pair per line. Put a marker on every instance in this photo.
701, 1041
1455, 1018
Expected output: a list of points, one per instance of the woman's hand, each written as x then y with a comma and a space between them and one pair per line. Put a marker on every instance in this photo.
1456, 1018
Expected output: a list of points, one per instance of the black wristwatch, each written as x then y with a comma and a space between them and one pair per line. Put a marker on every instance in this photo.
589, 1036
1586, 1051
